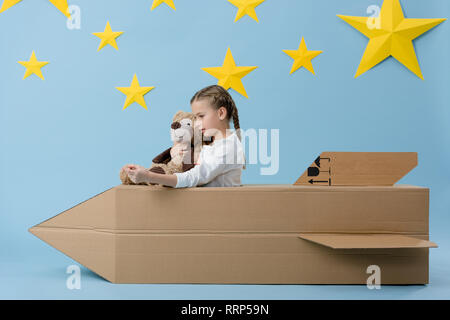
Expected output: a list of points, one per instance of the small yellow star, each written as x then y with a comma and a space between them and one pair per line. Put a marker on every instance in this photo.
246, 7
61, 5
391, 34
302, 57
168, 2
108, 37
229, 75
134, 93
33, 66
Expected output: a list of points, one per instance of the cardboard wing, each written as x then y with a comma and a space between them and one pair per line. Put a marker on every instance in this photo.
367, 241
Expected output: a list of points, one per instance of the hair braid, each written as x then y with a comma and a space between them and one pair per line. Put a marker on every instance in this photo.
235, 116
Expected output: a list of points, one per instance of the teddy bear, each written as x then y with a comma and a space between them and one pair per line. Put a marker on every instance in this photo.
176, 158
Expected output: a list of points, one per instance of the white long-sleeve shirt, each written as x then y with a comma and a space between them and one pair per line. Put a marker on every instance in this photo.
219, 165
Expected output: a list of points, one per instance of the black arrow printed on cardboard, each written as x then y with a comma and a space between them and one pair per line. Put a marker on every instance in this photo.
317, 161
320, 181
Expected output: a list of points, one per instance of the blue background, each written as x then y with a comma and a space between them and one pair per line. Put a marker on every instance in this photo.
64, 139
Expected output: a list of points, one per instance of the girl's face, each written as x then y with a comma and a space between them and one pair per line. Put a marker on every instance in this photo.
207, 119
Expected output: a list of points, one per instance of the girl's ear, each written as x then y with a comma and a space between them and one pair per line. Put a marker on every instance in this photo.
222, 111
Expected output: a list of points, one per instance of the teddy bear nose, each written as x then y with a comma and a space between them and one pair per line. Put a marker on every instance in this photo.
175, 125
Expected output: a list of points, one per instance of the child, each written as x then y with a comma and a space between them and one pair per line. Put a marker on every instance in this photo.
220, 162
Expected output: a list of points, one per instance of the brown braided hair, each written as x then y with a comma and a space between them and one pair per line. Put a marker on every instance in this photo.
219, 97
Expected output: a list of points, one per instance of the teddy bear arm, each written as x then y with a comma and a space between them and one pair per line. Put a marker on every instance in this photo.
163, 157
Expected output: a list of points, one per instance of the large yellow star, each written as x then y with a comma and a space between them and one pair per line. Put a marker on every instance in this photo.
390, 34
134, 93
246, 7
302, 57
229, 75
33, 66
61, 5
108, 37
168, 2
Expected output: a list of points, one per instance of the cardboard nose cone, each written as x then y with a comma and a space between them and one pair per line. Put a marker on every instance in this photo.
82, 233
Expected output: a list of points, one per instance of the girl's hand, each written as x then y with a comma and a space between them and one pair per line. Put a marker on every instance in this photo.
131, 166
138, 174
127, 167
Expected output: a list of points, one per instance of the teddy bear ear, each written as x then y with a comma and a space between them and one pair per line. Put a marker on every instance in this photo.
178, 115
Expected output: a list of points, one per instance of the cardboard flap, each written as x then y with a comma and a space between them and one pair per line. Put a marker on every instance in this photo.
367, 241
358, 168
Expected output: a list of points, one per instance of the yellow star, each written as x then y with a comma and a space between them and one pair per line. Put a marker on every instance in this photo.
302, 57
108, 37
61, 5
33, 66
8, 4
390, 34
134, 93
246, 7
168, 2
229, 75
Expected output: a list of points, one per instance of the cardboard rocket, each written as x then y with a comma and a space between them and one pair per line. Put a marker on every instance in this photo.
305, 233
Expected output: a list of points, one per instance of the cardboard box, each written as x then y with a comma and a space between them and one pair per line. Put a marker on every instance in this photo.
254, 234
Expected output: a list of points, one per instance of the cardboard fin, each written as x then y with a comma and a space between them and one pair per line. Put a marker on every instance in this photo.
367, 241
358, 168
